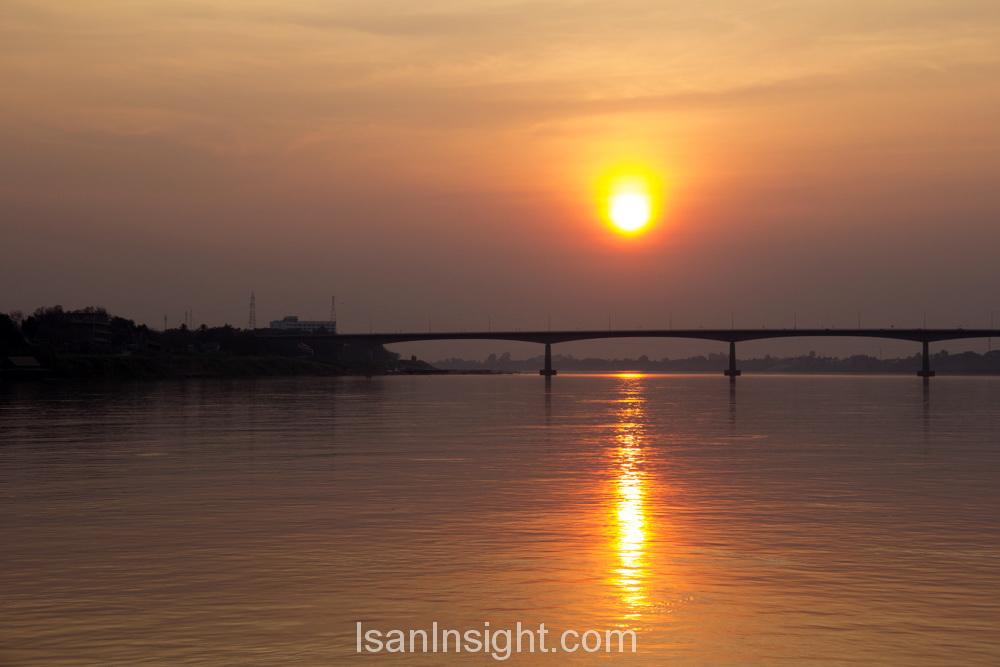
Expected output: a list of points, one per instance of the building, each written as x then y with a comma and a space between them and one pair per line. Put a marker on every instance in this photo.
294, 324
90, 331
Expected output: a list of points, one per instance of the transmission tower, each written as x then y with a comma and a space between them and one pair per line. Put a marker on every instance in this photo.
253, 311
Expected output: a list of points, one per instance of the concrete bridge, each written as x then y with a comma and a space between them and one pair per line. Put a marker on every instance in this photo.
732, 336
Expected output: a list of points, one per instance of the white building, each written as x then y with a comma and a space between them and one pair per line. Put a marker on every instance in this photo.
293, 323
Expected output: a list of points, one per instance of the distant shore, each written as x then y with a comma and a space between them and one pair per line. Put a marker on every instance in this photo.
943, 362
104, 368
156, 367
91, 343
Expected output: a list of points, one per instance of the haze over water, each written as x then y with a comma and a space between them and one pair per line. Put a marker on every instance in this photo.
797, 520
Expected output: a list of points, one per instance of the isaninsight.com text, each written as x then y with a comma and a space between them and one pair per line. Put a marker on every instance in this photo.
500, 643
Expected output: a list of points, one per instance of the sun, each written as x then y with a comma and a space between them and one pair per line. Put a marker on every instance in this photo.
630, 199
630, 211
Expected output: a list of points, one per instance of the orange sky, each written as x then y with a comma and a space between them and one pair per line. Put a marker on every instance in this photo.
439, 160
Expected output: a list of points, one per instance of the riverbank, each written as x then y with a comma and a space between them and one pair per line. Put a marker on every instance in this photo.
153, 367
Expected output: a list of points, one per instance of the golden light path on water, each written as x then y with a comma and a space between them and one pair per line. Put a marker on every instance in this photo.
631, 573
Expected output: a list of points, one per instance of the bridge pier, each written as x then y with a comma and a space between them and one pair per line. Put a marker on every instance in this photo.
925, 367
732, 371
548, 371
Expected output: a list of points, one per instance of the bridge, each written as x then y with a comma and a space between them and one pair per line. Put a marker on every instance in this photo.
732, 336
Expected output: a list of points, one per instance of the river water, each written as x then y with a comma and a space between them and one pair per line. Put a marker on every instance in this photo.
792, 520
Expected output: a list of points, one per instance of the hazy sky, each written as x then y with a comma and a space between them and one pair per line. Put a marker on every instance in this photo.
437, 160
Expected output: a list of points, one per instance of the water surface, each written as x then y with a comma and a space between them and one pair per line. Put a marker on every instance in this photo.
796, 520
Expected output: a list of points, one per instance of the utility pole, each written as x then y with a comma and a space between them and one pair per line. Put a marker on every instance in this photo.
252, 324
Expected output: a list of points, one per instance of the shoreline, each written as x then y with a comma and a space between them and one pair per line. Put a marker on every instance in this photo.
63, 378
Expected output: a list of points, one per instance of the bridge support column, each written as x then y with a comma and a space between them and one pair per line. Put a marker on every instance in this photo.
925, 366
548, 371
732, 371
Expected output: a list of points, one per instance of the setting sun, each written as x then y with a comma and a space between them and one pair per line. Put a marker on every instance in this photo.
629, 196
630, 211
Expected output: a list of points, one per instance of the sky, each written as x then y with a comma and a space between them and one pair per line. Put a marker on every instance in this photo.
441, 163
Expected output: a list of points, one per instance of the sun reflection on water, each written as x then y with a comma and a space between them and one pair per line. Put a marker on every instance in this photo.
630, 489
